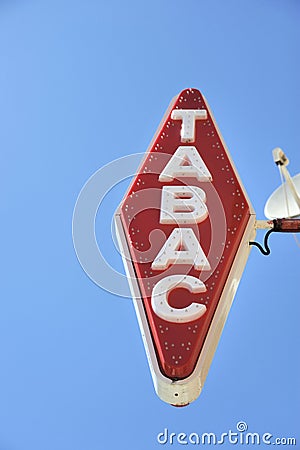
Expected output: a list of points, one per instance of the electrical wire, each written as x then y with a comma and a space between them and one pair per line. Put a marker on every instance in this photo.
265, 251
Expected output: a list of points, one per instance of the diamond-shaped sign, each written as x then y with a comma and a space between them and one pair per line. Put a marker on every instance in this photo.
184, 228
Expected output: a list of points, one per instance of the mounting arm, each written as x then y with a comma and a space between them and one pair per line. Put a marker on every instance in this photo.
278, 226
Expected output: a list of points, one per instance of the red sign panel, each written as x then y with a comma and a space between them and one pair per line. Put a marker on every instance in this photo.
184, 226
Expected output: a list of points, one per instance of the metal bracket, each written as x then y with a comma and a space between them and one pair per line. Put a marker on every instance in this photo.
278, 226
281, 160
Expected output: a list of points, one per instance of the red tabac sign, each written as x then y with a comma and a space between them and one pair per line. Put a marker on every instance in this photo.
184, 228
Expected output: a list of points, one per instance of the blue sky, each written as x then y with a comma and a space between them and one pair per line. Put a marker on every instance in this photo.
84, 83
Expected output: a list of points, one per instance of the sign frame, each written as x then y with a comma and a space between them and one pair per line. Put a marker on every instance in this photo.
180, 392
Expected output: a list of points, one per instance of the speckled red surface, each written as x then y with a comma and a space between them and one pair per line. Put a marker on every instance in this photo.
178, 344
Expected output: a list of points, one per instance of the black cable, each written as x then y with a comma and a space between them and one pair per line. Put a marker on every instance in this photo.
288, 225
265, 251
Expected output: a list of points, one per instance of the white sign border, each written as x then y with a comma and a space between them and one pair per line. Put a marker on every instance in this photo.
184, 391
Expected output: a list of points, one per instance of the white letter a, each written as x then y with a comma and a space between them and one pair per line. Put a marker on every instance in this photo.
186, 162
